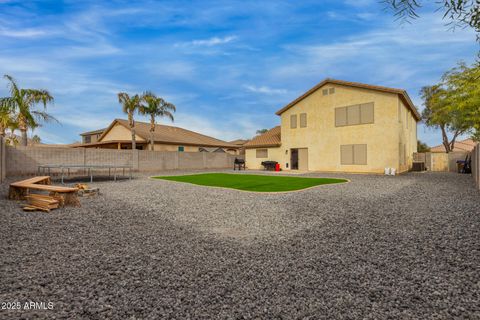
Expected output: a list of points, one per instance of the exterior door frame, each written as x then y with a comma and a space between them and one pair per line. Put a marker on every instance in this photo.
294, 159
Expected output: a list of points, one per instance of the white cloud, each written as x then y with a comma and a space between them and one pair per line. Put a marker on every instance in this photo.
88, 50
214, 41
236, 126
22, 33
47, 136
395, 56
172, 69
265, 90
15, 64
84, 120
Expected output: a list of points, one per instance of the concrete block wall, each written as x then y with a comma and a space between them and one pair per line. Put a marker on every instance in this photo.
157, 160
476, 165
106, 156
191, 160
25, 160
3, 169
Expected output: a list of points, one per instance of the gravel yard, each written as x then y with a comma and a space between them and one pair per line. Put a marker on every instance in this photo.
378, 247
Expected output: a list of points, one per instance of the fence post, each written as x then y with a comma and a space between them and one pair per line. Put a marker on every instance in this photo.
477, 164
3, 165
136, 160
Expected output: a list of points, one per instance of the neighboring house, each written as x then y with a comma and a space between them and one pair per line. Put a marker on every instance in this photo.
466, 145
341, 126
240, 143
166, 138
91, 136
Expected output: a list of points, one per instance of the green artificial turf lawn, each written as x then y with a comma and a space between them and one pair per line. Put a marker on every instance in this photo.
252, 182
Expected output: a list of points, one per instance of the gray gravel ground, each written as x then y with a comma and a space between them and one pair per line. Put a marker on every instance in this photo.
378, 247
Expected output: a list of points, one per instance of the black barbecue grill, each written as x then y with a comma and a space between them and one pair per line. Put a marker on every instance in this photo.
239, 164
269, 165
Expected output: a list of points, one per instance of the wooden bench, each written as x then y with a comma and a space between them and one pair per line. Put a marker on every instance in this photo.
19, 190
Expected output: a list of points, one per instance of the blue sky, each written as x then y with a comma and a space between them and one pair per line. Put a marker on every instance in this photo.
226, 65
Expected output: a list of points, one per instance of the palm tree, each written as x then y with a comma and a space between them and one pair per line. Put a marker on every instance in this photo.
129, 106
155, 107
36, 139
12, 138
22, 101
6, 115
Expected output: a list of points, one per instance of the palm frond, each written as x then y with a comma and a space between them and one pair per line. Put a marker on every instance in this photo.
43, 116
7, 104
170, 106
129, 104
12, 85
167, 114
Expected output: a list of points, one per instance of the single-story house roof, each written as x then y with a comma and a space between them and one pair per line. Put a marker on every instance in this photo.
466, 145
93, 132
401, 93
51, 145
271, 138
168, 135
239, 142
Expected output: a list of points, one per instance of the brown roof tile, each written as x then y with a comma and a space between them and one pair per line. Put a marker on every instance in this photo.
402, 93
466, 145
171, 135
271, 138
92, 132
239, 142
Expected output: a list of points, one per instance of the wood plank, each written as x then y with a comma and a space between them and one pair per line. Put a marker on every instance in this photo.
31, 181
51, 188
44, 203
30, 207
40, 205
47, 199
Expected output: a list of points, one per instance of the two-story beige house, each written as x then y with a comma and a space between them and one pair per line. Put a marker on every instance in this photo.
341, 126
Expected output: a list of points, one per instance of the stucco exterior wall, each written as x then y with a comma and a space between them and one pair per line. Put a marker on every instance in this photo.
93, 137
252, 162
323, 139
407, 130
119, 132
